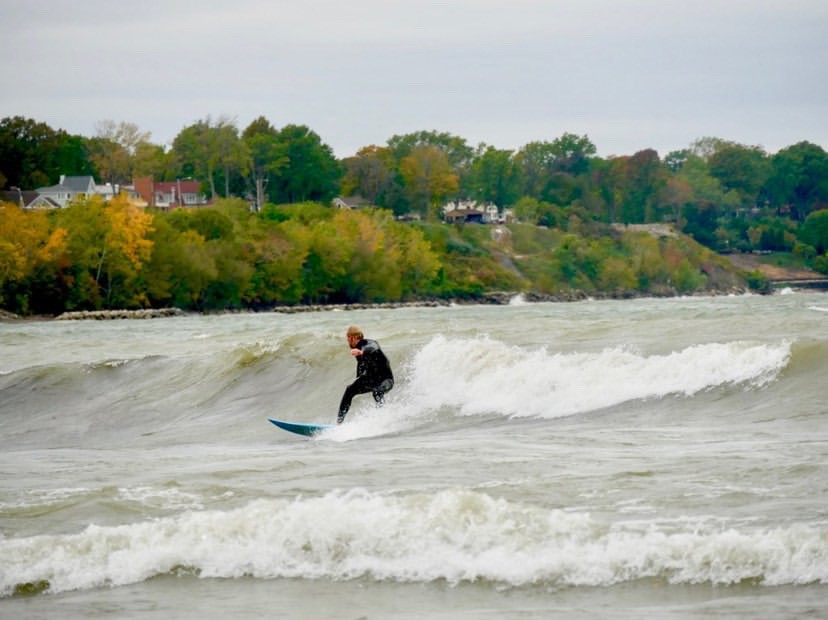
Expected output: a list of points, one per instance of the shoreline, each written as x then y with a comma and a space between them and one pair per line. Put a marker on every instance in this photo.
491, 299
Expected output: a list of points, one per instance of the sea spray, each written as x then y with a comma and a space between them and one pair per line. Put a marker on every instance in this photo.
453, 535
483, 375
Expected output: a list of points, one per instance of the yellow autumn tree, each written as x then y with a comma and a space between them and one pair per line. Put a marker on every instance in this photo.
108, 244
388, 260
27, 242
429, 178
129, 229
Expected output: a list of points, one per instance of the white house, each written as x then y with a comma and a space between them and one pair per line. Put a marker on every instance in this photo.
471, 211
354, 202
66, 190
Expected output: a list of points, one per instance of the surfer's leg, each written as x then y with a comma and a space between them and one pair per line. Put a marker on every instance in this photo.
380, 391
357, 387
345, 404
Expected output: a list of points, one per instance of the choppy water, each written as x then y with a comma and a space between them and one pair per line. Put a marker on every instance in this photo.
601, 459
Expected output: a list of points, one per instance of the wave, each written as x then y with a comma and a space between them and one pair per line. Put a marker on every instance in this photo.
302, 377
93, 399
486, 376
452, 535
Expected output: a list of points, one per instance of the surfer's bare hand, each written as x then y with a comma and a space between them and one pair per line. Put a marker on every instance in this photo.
356, 352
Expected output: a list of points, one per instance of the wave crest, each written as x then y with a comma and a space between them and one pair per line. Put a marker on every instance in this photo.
486, 376
452, 535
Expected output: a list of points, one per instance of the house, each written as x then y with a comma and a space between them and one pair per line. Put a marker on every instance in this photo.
469, 211
472, 211
43, 202
65, 191
354, 202
456, 216
21, 198
170, 194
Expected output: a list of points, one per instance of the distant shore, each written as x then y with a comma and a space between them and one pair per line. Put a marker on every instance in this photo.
491, 299
803, 280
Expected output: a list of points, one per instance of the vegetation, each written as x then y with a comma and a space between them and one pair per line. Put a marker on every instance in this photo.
271, 237
96, 255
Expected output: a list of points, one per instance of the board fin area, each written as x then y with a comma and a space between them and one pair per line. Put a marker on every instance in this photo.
308, 430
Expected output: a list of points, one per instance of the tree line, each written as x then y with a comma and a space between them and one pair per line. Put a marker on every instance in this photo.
419, 171
729, 196
98, 254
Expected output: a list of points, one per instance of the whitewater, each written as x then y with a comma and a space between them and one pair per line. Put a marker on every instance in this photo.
598, 459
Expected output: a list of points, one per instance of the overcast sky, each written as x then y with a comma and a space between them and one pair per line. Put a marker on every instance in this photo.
630, 74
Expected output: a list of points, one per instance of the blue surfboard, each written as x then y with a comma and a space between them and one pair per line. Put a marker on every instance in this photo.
309, 430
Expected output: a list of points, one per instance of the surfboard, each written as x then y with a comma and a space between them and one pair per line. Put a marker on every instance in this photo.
309, 430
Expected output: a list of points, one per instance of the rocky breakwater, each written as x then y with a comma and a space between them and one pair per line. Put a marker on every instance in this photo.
367, 306
110, 315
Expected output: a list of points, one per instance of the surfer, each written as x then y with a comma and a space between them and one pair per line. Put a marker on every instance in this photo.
373, 371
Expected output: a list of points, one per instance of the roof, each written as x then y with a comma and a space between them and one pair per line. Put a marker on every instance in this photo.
79, 185
464, 213
186, 187
14, 196
352, 202
43, 201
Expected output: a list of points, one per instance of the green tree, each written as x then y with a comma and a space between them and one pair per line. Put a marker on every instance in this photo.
704, 187
815, 231
740, 169
527, 209
799, 179
152, 160
556, 171
645, 180
495, 178
32, 154
535, 161
457, 151
572, 153
210, 223
277, 252
675, 160
210, 151
701, 222
311, 171
230, 153
609, 180
267, 156
192, 153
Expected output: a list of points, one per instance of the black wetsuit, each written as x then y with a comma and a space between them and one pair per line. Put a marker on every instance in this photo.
373, 375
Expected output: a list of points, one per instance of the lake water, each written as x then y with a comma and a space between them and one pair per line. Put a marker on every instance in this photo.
662, 458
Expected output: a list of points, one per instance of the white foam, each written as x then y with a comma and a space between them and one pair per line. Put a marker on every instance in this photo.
453, 535
486, 376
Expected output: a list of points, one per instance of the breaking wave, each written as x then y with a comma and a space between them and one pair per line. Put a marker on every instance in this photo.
452, 535
486, 376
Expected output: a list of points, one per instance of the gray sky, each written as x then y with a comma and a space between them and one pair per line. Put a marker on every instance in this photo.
630, 74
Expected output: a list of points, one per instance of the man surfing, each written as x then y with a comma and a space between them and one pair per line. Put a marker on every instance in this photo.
373, 371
